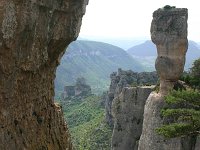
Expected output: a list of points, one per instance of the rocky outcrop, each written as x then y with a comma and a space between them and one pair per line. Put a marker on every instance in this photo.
169, 33
127, 110
69, 91
125, 79
149, 139
80, 89
33, 37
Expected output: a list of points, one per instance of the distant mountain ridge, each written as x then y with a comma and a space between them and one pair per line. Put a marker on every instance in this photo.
146, 54
147, 48
94, 61
198, 44
124, 43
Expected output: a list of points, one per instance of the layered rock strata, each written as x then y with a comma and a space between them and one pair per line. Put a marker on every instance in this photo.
33, 37
169, 33
127, 110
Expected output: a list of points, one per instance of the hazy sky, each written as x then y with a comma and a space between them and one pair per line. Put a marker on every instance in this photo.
132, 18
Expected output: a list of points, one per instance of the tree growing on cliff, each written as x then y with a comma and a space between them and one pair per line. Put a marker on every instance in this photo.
193, 77
195, 70
182, 114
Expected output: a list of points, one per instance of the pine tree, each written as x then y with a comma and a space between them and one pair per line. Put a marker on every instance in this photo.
181, 115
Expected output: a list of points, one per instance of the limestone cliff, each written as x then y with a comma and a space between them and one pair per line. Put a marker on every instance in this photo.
169, 33
127, 110
33, 37
122, 79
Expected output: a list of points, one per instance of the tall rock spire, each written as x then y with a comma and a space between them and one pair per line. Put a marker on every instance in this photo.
169, 33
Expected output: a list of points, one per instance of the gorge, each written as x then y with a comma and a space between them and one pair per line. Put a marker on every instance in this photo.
33, 37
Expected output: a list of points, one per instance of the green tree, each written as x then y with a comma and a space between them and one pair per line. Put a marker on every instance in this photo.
181, 115
192, 78
195, 70
195, 74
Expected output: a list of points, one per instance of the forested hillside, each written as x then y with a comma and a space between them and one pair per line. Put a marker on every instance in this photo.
86, 121
94, 61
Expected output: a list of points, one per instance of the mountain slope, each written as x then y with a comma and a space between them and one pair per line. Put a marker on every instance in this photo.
124, 43
94, 61
146, 54
145, 49
86, 122
193, 53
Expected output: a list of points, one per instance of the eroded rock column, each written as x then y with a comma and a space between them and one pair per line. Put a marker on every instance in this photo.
169, 33
33, 37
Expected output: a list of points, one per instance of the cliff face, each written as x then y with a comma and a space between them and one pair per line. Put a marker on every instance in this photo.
127, 110
169, 33
33, 36
125, 79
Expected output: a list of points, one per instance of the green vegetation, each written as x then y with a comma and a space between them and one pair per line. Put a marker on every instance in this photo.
85, 118
182, 113
193, 77
195, 70
94, 61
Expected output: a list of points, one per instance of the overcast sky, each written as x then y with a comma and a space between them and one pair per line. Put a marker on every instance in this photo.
132, 18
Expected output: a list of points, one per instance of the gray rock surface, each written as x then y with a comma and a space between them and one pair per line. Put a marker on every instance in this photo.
127, 110
169, 33
33, 37
69, 91
80, 89
122, 79
149, 139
